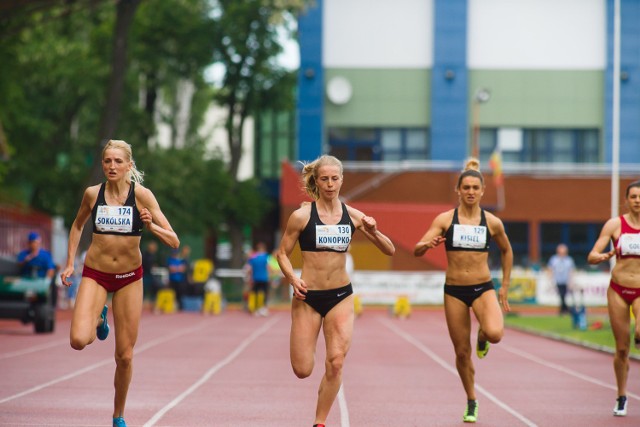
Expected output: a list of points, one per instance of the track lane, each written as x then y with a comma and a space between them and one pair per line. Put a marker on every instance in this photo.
389, 380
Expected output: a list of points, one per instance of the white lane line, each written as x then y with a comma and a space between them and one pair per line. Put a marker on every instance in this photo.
235, 353
342, 404
96, 365
454, 371
562, 369
33, 349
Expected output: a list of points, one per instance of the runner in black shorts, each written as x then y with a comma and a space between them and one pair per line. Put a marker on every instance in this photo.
466, 232
323, 291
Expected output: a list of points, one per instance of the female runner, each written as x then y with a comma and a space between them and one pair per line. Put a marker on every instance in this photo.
119, 210
323, 291
466, 232
624, 288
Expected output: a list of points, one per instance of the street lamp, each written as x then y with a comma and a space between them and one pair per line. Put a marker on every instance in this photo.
481, 96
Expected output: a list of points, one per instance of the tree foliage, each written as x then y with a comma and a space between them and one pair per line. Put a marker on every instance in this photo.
248, 45
57, 60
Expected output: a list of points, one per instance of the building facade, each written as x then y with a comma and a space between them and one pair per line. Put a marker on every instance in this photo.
404, 91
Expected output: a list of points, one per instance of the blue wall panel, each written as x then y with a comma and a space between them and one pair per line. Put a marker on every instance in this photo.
629, 85
449, 82
310, 84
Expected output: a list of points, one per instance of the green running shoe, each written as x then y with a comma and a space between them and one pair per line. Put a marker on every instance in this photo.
471, 414
102, 331
482, 348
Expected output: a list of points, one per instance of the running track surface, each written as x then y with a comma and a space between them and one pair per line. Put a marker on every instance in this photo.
233, 370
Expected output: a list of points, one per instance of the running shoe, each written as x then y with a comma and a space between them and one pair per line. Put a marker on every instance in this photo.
119, 422
482, 348
318, 425
471, 414
102, 331
620, 410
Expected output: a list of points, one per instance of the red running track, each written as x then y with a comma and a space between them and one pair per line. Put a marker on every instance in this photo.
233, 370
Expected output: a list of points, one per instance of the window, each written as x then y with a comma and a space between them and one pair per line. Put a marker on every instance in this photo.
518, 233
579, 238
354, 144
545, 146
373, 144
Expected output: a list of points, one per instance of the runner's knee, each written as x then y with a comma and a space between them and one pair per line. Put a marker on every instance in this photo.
463, 352
302, 371
124, 358
493, 336
622, 353
79, 341
334, 365
77, 344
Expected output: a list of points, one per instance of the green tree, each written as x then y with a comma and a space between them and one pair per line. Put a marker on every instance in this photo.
76, 72
248, 46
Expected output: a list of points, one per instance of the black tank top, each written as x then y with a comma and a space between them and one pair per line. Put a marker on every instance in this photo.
119, 220
462, 237
320, 237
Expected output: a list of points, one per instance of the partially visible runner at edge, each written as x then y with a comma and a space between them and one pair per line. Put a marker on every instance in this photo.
624, 289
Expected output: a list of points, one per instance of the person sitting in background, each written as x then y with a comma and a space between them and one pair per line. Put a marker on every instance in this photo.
35, 261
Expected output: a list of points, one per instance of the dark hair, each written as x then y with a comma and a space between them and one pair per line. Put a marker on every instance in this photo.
630, 186
472, 168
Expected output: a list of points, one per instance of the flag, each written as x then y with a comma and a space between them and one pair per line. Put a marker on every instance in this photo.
495, 163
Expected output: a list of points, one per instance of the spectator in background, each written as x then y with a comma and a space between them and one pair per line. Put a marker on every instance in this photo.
561, 268
185, 254
258, 265
35, 261
280, 289
177, 275
149, 262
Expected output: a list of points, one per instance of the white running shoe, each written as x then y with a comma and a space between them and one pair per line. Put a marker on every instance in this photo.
620, 410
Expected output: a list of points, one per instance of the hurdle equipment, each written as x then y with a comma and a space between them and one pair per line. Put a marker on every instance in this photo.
357, 305
212, 303
166, 301
402, 307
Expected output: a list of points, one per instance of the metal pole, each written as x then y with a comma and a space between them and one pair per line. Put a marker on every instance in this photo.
615, 127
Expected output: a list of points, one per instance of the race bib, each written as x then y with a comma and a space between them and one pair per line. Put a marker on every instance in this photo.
629, 244
469, 236
118, 219
334, 237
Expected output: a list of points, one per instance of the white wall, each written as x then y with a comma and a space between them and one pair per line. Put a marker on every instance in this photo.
378, 34
215, 133
537, 34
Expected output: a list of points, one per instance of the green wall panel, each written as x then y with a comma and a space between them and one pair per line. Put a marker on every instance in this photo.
549, 99
382, 98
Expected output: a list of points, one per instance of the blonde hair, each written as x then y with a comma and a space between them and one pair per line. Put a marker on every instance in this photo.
471, 168
134, 174
310, 173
